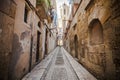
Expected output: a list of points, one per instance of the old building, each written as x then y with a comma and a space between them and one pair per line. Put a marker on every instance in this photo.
24, 36
94, 30
33, 40
7, 22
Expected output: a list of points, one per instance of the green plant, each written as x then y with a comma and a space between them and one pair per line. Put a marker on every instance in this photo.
46, 2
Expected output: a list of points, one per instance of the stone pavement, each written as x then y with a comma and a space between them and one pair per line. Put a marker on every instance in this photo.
59, 65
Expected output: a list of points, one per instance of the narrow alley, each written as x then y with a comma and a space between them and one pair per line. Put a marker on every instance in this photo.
59, 39
59, 65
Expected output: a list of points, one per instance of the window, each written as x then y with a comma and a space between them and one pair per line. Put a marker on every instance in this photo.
50, 34
39, 24
26, 13
95, 32
90, 5
64, 11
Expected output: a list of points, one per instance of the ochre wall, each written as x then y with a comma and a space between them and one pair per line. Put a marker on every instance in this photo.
101, 59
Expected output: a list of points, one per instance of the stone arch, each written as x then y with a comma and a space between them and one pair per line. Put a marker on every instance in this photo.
76, 45
95, 32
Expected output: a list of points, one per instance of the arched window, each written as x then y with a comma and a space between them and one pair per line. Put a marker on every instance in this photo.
95, 32
76, 45
39, 24
26, 13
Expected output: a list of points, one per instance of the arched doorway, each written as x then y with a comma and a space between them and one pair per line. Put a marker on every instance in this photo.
46, 43
39, 24
96, 54
38, 47
95, 32
38, 52
76, 45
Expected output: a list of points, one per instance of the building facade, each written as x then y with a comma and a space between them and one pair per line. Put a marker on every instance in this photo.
94, 30
24, 36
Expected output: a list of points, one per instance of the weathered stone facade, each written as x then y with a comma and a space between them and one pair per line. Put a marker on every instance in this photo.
22, 38
94, 31
7, 20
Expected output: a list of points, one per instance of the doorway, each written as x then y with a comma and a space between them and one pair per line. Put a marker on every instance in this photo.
38, 47
30, 61
76, 45
46, 43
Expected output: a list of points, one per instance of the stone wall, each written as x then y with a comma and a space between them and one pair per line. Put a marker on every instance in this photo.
96, 24
22, 38
7, 16
19, 64
19, 39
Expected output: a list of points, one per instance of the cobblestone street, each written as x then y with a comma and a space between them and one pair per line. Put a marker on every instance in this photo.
59, 65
